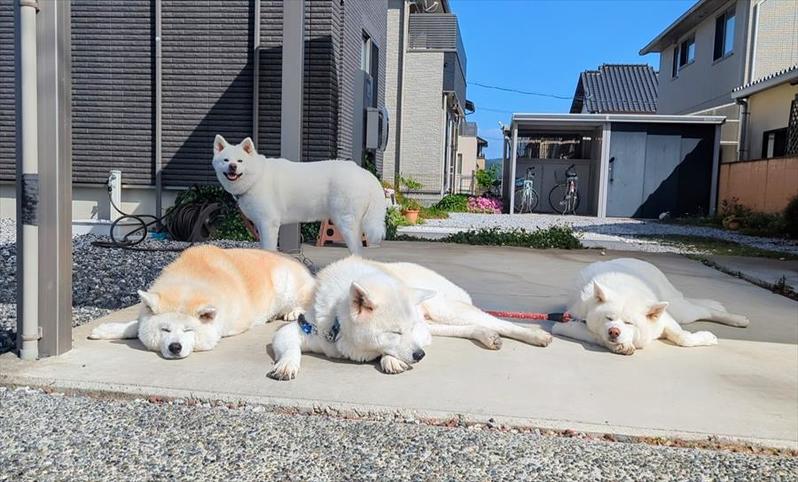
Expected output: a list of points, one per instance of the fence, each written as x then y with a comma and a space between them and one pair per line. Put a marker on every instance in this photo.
764, 185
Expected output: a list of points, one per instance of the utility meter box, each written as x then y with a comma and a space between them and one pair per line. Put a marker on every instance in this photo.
377, 124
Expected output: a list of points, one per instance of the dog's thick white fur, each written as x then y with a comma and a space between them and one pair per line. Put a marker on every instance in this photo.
272, 192
209, 293
387, 311
627, 303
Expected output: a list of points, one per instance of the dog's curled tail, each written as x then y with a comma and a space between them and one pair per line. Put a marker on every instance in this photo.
374, 218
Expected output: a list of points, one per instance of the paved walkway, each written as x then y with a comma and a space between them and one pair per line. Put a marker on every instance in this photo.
611, 233
763, 271
746, 387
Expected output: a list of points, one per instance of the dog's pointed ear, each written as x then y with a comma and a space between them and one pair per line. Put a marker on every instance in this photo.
207, 314
361, 301
248, 146
150, 300
422, 295
656, 310
219, 144
599, 292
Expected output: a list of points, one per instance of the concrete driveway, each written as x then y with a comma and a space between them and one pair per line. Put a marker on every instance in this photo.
744, 388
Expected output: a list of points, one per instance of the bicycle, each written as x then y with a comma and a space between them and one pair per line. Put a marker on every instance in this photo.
564, 197
526, 197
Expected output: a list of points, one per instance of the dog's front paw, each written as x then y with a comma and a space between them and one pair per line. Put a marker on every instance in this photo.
489, 338
537, 337
392, 365
705, 338
103, 332
293, 315
284, 370
622, 348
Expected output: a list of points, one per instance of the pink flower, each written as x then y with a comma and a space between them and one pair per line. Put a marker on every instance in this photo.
484, 205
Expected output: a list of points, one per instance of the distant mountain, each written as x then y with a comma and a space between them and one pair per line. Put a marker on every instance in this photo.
496, 161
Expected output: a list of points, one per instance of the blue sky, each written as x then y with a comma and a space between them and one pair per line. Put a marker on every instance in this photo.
542, 46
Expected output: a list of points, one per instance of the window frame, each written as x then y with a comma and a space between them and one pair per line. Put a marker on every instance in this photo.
721, 35
684, 50
784, 131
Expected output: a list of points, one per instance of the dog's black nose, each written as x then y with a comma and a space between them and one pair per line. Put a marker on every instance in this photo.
418, 355
232, 167
174, 348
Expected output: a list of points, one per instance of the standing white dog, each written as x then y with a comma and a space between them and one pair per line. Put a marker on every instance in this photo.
209, 293
272, 192
627, 303
364, 310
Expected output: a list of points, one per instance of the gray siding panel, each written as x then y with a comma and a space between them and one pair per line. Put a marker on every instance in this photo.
207, 83
7, 98
112, 90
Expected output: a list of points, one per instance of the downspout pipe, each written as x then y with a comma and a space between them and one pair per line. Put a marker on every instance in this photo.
27, 181
742, 149
256, 74
158, 113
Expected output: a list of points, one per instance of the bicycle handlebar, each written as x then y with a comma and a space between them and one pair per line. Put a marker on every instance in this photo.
569, 171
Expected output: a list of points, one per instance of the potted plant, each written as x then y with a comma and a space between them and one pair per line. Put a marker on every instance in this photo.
410, 210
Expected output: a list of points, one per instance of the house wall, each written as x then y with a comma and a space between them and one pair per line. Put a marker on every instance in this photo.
776, 45
423, 120
769, 109
207, 84
705, 83
393, 50
765, 185
464, 178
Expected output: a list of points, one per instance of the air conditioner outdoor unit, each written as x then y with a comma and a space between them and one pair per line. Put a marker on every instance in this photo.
377, 124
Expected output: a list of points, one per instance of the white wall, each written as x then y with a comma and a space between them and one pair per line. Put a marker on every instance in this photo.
92, 202
769, 109
423, 119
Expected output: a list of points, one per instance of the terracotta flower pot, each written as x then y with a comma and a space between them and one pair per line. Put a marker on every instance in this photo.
411, 215
732, 223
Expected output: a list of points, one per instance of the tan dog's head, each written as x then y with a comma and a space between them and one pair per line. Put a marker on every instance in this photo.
619, 320
175, 331
237, 166
383, 317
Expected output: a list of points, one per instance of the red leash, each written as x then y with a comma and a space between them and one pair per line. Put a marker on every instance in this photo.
522, 315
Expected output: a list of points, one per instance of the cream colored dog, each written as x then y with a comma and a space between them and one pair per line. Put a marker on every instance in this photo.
627, 303
209, 293
364, 310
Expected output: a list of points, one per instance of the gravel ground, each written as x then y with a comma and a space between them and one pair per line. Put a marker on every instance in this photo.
600, 227
56, 437
103, 279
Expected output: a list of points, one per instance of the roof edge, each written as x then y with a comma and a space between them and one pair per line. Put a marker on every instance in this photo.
619, 118
653, 45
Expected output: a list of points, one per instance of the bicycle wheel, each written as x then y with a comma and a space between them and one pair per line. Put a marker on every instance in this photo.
526, 200
557, 199
572, 203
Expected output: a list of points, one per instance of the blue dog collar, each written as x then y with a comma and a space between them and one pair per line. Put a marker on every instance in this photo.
310, 329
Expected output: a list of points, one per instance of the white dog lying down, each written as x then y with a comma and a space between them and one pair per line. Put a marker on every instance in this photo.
626, 303
363, 310
209, 293
272, 192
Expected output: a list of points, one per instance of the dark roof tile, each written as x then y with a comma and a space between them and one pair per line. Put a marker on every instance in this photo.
617, 88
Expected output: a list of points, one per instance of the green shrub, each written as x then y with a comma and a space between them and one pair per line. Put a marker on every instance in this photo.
432, 213
309, 232
790, 218
393, 219
229, 224
762, 224
410, 204
453, 203
561, 237
409, 183
486, 177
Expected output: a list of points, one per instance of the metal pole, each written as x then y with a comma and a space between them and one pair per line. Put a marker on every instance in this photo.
291, 101
256, 75
158, 112
397, 153
513, 159
54, 90
27, 179
713, 189
604, 170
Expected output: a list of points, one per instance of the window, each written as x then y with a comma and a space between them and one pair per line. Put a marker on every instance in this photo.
675, 63
687, 52
365, 53
724, 35
459, 163
774, 143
